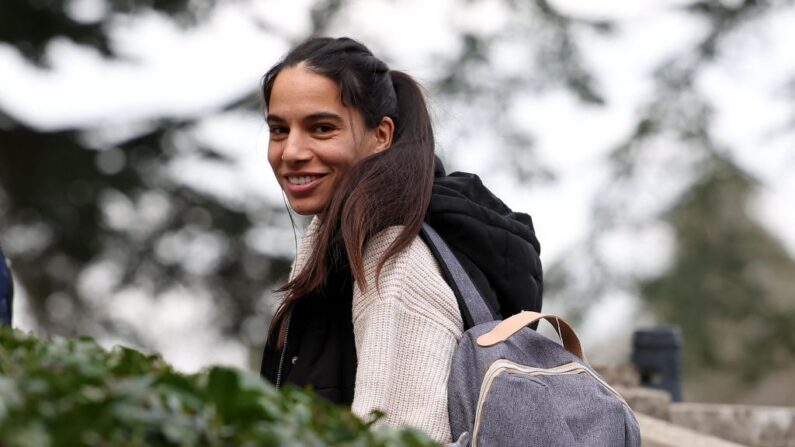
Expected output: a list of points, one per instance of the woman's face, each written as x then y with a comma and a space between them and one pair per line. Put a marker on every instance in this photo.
314, 138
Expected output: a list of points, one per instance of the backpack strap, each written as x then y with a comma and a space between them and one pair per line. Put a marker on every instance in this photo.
509, 326
473, 307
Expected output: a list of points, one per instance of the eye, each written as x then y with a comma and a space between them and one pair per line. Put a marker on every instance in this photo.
278, 131
323, 128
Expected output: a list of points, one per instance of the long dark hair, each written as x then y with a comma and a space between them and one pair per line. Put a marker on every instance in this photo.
391, 187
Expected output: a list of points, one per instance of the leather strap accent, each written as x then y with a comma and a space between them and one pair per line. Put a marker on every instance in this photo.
511, 325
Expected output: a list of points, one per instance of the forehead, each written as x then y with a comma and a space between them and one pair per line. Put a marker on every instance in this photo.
299, 91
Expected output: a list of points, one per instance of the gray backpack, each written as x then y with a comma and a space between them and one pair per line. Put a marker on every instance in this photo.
511, 386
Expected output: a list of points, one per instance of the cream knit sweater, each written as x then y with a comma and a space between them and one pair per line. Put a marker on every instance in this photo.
405, 327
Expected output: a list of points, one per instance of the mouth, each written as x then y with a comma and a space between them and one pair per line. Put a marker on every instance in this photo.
299, 180
303, 183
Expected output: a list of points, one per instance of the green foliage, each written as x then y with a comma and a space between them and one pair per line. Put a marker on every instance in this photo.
71, 392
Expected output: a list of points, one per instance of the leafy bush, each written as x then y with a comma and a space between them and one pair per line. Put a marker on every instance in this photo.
71, 392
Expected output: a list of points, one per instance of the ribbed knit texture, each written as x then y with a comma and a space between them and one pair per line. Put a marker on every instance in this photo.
406, 326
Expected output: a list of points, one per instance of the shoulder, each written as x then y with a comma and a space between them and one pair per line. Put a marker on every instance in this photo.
378, 245
411, 280
415, 262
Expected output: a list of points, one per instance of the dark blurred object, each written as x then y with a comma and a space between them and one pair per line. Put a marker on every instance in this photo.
657, 353
6, 292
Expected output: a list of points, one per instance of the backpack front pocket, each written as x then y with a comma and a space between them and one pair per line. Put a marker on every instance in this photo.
544, 406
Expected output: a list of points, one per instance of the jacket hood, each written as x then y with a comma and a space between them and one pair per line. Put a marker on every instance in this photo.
496, 246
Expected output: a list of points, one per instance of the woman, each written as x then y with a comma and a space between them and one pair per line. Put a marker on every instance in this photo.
368, 319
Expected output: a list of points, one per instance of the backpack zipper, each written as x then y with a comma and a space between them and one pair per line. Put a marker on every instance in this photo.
284, 351
502, 365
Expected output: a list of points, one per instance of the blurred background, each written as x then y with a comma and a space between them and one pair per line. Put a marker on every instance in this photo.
651, 140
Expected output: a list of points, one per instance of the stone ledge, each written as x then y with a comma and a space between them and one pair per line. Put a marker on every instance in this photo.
658, 433
752, 425
651, 402
622, 374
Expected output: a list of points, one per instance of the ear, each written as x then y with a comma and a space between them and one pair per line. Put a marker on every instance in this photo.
382, 134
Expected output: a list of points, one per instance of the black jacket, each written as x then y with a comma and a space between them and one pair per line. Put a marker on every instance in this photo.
320, 350
497, 247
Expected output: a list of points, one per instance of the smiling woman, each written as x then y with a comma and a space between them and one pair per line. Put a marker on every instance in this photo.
367, 318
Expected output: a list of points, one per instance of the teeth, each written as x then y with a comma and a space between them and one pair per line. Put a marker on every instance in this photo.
302, 180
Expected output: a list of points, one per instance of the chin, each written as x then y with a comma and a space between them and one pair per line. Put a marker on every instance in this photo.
306, 209
305, 213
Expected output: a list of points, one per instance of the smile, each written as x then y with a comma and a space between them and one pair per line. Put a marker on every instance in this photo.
303, 180
301, 185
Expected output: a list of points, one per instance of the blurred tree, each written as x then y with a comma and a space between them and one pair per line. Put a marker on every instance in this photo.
74, 202
729, 285
30, 26
545, 55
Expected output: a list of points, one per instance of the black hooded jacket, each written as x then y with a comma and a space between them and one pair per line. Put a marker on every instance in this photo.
497, 247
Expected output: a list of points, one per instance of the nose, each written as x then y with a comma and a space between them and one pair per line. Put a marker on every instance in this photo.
295, 148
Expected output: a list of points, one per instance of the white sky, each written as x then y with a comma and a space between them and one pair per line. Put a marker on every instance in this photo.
179, 73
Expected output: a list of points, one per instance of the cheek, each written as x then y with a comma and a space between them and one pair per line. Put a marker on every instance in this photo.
274, 155
352, 153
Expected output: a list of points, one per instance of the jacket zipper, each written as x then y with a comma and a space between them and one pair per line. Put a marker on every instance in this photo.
502, 365
284, 351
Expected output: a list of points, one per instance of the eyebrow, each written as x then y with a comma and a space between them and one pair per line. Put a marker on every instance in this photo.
312, 117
